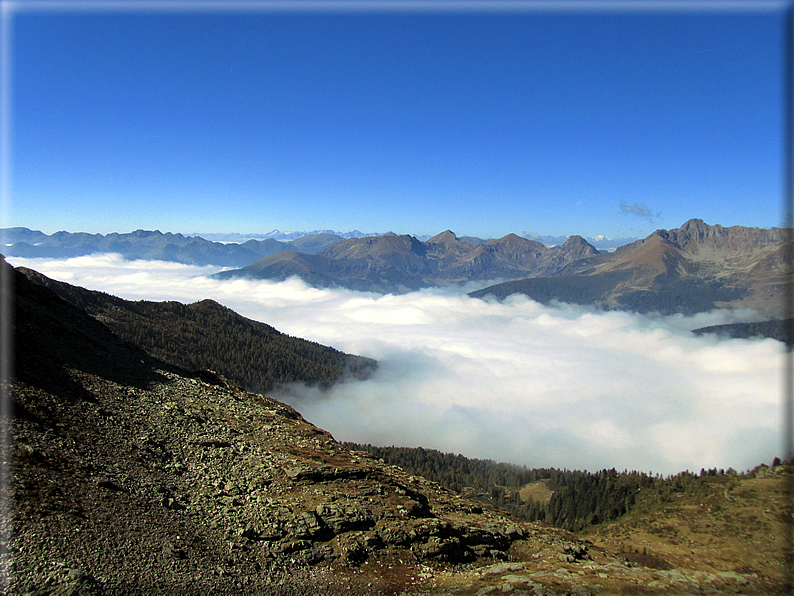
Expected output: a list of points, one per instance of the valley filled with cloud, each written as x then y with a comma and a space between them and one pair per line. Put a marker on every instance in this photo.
565, 387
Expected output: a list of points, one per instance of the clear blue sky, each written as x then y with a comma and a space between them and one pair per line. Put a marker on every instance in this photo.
481, 122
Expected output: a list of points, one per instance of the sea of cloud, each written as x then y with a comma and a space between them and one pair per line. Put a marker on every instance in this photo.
564, 386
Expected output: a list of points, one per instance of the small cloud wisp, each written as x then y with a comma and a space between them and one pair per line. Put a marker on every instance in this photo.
639, 210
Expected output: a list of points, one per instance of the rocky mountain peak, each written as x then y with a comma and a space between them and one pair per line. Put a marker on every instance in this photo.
575, 248
697, 226
695, 235
695, 230
443, 237
509, 239
145, 233
577, 243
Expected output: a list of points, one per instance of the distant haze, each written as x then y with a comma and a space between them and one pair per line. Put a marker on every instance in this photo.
276, 235
601, 242
516, 381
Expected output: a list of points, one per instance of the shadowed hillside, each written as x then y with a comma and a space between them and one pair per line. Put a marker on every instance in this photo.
781, 330
207, 336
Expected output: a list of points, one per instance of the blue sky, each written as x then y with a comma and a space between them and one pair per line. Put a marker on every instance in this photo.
484, 122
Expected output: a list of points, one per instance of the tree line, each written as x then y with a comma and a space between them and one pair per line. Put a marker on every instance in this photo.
579, 499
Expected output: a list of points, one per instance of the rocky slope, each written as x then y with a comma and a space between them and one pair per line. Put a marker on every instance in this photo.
392, 263
695, 268
131, 476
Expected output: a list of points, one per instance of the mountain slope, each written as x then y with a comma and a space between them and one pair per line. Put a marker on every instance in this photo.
131, 476
207, 336
691, 269
314, 243
134, 477
392, 263
717, 523
725, 522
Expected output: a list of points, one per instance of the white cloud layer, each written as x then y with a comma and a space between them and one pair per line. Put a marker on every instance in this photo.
561, 387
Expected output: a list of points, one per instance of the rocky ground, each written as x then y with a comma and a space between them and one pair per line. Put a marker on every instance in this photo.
193, 486
132, 477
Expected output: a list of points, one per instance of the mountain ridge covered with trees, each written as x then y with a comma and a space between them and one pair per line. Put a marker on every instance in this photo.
208, 336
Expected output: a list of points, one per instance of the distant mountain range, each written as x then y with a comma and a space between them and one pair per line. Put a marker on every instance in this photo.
154, 245
392, 263
224, 250
601, 242
694, 268
278, 235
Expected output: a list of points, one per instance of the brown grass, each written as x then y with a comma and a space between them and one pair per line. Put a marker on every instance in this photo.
714, 530
537, 491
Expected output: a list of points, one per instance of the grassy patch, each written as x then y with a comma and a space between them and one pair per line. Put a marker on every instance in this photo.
537, 491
